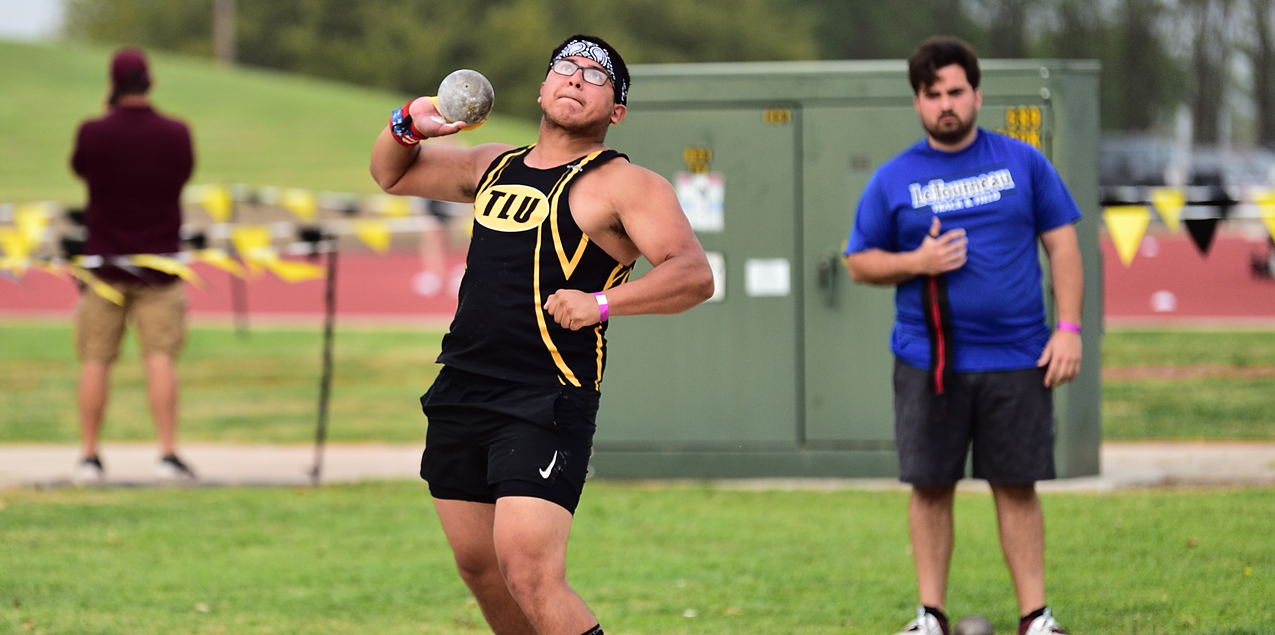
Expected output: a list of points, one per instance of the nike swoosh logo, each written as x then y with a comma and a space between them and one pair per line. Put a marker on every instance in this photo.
545, 472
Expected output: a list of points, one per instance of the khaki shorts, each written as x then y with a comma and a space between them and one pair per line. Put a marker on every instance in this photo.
157, 312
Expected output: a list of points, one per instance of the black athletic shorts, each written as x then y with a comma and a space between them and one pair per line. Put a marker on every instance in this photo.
1008, 418
489, 438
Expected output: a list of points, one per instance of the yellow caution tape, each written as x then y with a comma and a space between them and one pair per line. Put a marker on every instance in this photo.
291, 271
219, 259
167, 265
93, 282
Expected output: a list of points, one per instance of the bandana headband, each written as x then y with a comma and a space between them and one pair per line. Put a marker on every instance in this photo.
590, 50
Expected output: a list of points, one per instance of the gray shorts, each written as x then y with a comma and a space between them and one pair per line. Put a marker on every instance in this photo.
1008, 418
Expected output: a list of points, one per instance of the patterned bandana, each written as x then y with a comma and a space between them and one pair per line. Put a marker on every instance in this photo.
589, 50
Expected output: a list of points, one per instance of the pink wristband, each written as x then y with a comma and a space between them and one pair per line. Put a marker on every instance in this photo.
1070, 327
602, 305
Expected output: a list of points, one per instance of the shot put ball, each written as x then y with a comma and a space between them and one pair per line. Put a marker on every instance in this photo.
973, 625
466, 96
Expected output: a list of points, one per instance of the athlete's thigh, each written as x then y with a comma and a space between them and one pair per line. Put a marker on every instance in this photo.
532, 532
1014, 427
469, 530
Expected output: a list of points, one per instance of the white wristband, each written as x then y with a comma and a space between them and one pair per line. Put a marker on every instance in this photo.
603, 308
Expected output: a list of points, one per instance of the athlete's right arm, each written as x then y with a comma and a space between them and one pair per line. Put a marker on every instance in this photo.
435, 172
937, 254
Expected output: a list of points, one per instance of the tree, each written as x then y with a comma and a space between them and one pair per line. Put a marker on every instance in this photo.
887, 29
1211, 48
410, 45
1262, 54
1009, 29
1145, 80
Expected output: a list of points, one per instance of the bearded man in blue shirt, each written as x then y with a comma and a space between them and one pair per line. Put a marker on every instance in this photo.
953, 222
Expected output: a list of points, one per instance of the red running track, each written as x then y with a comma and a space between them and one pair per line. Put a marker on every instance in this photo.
1168, 282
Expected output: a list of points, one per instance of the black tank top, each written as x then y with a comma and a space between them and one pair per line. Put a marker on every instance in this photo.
526, 246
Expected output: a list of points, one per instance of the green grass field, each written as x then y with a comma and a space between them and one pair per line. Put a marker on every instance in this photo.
250, 126
371, 559
264, 388
1234, 405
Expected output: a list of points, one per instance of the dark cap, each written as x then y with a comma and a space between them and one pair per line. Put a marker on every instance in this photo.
129, 67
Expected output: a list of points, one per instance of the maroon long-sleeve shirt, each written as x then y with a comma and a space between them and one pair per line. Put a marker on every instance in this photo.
135, 162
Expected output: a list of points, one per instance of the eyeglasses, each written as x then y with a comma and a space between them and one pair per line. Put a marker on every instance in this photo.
595, 76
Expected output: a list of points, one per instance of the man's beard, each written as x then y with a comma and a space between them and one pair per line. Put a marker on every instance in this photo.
576, 128
951, 136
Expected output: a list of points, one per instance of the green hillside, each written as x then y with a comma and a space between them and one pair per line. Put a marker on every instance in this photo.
250, 126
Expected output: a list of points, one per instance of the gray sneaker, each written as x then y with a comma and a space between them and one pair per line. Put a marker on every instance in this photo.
171, 468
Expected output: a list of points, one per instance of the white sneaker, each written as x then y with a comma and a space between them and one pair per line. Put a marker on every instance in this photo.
171, 468
1044, 625
89, 471
924, 624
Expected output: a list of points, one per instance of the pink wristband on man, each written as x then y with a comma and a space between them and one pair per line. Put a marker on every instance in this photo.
1070, 327
603, 308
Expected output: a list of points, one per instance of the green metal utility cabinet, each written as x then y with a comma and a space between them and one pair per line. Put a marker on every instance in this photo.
787, 372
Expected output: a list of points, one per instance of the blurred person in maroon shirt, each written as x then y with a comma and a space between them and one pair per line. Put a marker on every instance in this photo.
134, 162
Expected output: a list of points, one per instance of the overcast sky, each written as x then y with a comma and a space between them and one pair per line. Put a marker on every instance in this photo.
30, 19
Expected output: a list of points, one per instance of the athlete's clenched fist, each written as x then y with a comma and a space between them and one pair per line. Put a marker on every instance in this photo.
573, 309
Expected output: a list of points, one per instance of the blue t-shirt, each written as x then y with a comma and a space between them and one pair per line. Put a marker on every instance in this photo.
1004, 193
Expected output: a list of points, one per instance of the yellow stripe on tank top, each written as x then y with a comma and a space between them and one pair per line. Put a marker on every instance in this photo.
540, 315
495, 174
614, 278
597, 382
568, 267
568, 264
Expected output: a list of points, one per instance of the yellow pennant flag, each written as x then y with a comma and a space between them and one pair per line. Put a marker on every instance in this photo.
1265, 200
392, 206
249, 237
374, 234
253, 244
167, 265
219, 259
302, 203
32, 220
216, 199
1127, 224
14, 244
1168, 202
